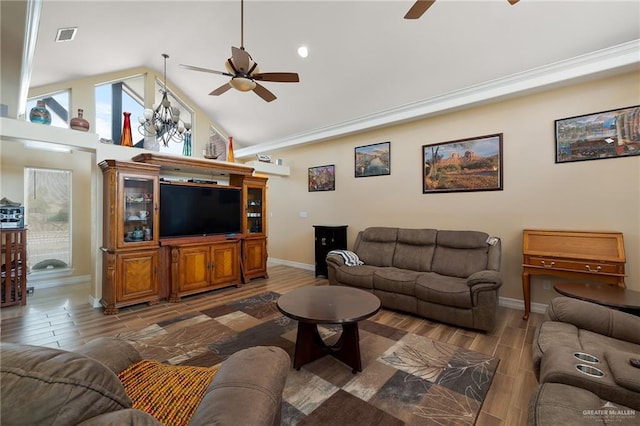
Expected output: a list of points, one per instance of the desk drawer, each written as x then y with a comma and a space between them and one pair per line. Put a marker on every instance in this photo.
578, 266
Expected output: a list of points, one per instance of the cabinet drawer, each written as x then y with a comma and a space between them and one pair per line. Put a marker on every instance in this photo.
577, 266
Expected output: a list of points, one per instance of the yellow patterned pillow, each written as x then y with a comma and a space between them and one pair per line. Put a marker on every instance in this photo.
170, 393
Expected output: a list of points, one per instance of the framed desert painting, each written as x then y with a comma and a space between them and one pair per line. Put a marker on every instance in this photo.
322, 178
373, 160
473, 164
607, 134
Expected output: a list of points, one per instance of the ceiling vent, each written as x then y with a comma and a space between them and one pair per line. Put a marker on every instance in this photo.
66, 34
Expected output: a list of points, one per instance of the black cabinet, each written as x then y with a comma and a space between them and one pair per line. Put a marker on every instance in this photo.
328, 238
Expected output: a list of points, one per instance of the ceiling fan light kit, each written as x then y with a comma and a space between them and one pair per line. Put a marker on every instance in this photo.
244, 71
163, 123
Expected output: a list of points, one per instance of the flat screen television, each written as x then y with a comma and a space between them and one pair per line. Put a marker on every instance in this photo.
198, 210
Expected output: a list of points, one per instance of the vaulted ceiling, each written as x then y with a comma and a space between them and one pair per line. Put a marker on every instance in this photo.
367, 65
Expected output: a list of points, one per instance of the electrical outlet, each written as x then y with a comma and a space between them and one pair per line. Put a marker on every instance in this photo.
30, 290
546, 284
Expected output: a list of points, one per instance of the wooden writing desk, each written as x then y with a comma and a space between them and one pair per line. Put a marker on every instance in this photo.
571, 254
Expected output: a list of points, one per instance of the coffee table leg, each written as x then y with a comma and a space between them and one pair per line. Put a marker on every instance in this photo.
309, 345
347, 348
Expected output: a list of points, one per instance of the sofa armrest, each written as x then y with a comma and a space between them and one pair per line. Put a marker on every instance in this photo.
493, 278
246, 390
127, 417
596, 318
116, 354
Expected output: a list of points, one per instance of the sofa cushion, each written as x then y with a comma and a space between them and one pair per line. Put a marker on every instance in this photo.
414, 249
377, 245
443, 290
395, 280
70, 387
357, 276
460, 253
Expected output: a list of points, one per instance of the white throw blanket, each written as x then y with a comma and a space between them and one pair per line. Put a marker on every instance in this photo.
350, 258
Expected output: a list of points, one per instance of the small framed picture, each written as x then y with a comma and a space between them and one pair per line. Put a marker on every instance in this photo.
373, 160
322, 178
472, 164
606, 134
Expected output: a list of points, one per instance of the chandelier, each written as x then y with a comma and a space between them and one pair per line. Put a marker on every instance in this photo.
163, 123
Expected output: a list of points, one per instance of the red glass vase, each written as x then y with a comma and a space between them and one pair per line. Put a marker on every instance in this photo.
126, 139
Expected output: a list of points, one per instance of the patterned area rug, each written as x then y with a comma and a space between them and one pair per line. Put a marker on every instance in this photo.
406, 378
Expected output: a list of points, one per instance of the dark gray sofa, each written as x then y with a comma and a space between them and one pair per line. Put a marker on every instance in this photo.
572, 327
45, 386
449, 276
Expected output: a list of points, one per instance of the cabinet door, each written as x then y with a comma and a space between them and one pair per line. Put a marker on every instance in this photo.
255, 261
138, 224
195, 266
225, 263
137, 276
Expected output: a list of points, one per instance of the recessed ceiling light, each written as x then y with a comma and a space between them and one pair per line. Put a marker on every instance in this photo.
303, 51
66, 34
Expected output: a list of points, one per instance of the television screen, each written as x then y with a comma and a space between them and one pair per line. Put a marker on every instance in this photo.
198, 210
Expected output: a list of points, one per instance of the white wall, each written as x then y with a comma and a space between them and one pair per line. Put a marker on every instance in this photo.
589, 195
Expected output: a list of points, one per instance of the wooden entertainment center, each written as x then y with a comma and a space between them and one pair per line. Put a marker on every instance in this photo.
140, 266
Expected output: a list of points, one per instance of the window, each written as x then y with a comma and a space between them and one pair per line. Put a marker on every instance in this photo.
58, 106
114, 98
48, 217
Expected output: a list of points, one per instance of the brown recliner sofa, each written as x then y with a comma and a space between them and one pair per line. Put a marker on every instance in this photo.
46, 386
449, 276
606, 388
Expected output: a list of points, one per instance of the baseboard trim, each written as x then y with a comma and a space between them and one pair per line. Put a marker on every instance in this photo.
507, 302
518, 304
299, 265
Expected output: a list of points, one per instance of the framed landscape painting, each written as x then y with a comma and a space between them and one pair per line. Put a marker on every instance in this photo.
322, 178
607, 134
473, 164
373, 160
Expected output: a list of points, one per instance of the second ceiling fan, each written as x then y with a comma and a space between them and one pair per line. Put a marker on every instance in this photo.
421, 6
244, 71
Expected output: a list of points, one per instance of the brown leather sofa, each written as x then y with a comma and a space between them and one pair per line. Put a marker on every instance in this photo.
46, 386
448, 276
581, 356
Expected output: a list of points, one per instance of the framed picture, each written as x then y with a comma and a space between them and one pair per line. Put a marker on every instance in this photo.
473, 164
607, 134
322, 178
373, 160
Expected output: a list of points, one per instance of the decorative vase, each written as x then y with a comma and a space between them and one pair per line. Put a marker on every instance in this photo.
186, 145
230, 156
151, 144
126, 139
40, 114
79, 123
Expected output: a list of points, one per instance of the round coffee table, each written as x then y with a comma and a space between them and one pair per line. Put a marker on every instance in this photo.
311, 306
603, 294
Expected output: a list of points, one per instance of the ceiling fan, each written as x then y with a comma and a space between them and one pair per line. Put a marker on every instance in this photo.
421, 6
244, 71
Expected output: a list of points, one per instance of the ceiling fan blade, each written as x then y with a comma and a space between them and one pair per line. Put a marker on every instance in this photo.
280, 77
264, 93
220, 90
192, 68
512, 2
241, 59
418, 8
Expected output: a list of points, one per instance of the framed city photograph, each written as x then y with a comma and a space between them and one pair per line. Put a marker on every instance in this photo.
473, 164
322, 178
373, 160
607, 134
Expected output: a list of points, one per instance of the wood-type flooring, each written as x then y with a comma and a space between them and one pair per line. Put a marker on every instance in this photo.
61, 317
